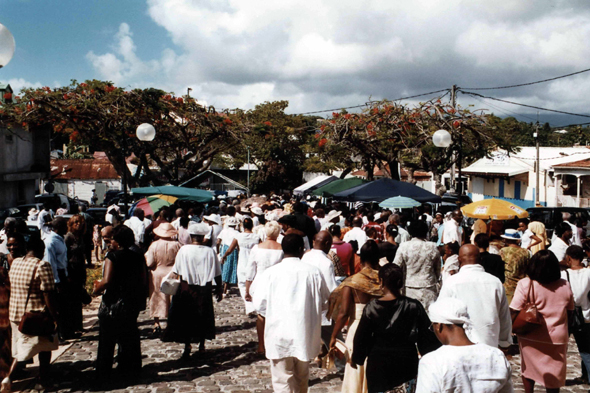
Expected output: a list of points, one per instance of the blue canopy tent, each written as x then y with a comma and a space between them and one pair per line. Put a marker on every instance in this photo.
379, 190
184, 193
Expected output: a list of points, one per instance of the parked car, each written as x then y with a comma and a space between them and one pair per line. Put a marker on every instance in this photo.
98, 214
22, 211
551, 216
110, 195
57, 200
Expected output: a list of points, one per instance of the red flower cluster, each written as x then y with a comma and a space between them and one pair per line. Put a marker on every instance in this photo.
7, 96
180, 100
322, 142
227, 121
268, 123
108, 89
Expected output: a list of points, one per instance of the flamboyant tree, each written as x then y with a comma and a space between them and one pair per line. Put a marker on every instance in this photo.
105, 117
387, 134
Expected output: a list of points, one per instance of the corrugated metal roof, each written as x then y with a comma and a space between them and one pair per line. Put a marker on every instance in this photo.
86, 169
576, 164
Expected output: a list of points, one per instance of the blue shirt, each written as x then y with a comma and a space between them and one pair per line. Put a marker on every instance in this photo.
56, 253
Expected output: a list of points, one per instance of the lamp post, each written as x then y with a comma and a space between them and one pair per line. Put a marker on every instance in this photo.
7, 45
146, 133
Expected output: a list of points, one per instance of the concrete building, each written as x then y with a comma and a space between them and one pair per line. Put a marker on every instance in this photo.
513, 177
24, 160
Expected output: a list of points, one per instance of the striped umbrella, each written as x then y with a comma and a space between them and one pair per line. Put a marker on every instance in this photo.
153, 203
399, 202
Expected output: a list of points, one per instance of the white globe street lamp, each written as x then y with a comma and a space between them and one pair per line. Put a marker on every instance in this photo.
442, 138
7, 46
146, 132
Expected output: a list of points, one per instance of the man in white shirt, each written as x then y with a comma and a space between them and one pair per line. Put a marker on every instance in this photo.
561, 241
137, 225
291, 296
179, 214
460, 365
575, 238
485, 298
44, 220
452, 229
356, 234
318, 257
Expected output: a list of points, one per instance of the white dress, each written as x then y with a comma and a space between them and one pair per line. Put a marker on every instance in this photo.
259, 260
355, 380
246, 241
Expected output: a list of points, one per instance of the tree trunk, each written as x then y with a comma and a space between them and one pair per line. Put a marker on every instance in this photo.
345, 172
120, 165
439, 188
394, 169
369, 168
411, 178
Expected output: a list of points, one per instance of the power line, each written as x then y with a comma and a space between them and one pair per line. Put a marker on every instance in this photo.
527, 84
525, 105
370, 102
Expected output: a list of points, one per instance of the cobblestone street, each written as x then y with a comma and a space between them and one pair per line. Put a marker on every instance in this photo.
228, 365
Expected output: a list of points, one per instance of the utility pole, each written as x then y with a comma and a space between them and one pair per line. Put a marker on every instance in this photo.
537, 168
456, 187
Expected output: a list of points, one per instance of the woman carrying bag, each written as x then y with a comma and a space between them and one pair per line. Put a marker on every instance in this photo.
543, 346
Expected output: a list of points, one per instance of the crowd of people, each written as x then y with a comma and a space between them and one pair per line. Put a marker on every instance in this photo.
405, 301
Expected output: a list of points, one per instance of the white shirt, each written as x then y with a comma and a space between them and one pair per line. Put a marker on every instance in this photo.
227, 236
525, 240
44, 225
402, 235
138, 228
486, 303
261, 259
292, 294
197, 265
558, 247
357, 234
580, 284
176, 223
467, 369
452, 233
215, 231
320, 259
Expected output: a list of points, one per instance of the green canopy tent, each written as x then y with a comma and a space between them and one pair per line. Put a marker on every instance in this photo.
187, 194
337, 186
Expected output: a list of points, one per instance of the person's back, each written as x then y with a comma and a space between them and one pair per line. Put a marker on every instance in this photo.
475, 368
494, 265
129, 279
485, 299
197, 264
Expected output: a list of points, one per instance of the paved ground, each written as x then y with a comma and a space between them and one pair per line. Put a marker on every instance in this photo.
229, 364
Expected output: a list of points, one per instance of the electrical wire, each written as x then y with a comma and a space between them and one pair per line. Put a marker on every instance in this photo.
504, 110
370, 102
525, 105
527, 84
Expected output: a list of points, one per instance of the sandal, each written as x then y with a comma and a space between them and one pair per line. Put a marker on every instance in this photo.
6, 385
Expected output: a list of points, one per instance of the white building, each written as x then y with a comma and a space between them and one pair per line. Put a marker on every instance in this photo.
513, 177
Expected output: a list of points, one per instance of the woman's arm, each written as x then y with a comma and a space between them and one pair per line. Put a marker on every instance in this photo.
342, 317
232, 247
535, 240
102, 285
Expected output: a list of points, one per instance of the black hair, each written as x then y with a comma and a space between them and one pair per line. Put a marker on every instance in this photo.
454, 247
230, 210
36, 245
392, 276
335, 230
544, 267
391, 230
575, 252
525, 221
482, 240
124, 236
139, 213
184, 222
247, 223
370, 231
370, 253
292, 244
562, 228
418, 229
300, 207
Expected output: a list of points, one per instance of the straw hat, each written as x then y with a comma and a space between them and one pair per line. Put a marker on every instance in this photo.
198, 229
511, 234
165, 230
232, 222
257, 211
332, 215
216, 218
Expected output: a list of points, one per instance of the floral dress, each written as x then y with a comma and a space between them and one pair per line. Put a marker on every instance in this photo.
516, 260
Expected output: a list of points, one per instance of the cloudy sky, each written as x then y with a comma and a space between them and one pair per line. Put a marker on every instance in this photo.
318, 55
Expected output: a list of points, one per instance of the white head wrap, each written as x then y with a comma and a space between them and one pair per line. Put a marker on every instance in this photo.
449, 311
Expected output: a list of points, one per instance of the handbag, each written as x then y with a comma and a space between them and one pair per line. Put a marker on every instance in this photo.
528, 318
576, 323
169, 285
36, 323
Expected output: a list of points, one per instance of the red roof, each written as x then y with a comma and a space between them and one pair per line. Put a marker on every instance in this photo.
576, 164
403, 174
86, 169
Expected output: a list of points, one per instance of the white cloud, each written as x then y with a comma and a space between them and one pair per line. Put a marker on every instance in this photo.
335, 53
19, 83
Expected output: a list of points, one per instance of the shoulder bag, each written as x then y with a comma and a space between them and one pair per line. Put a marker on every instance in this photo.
170, 285
36, 323
576, 323
528, 318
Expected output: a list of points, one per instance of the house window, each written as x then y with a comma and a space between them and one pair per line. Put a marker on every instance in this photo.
517, 189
